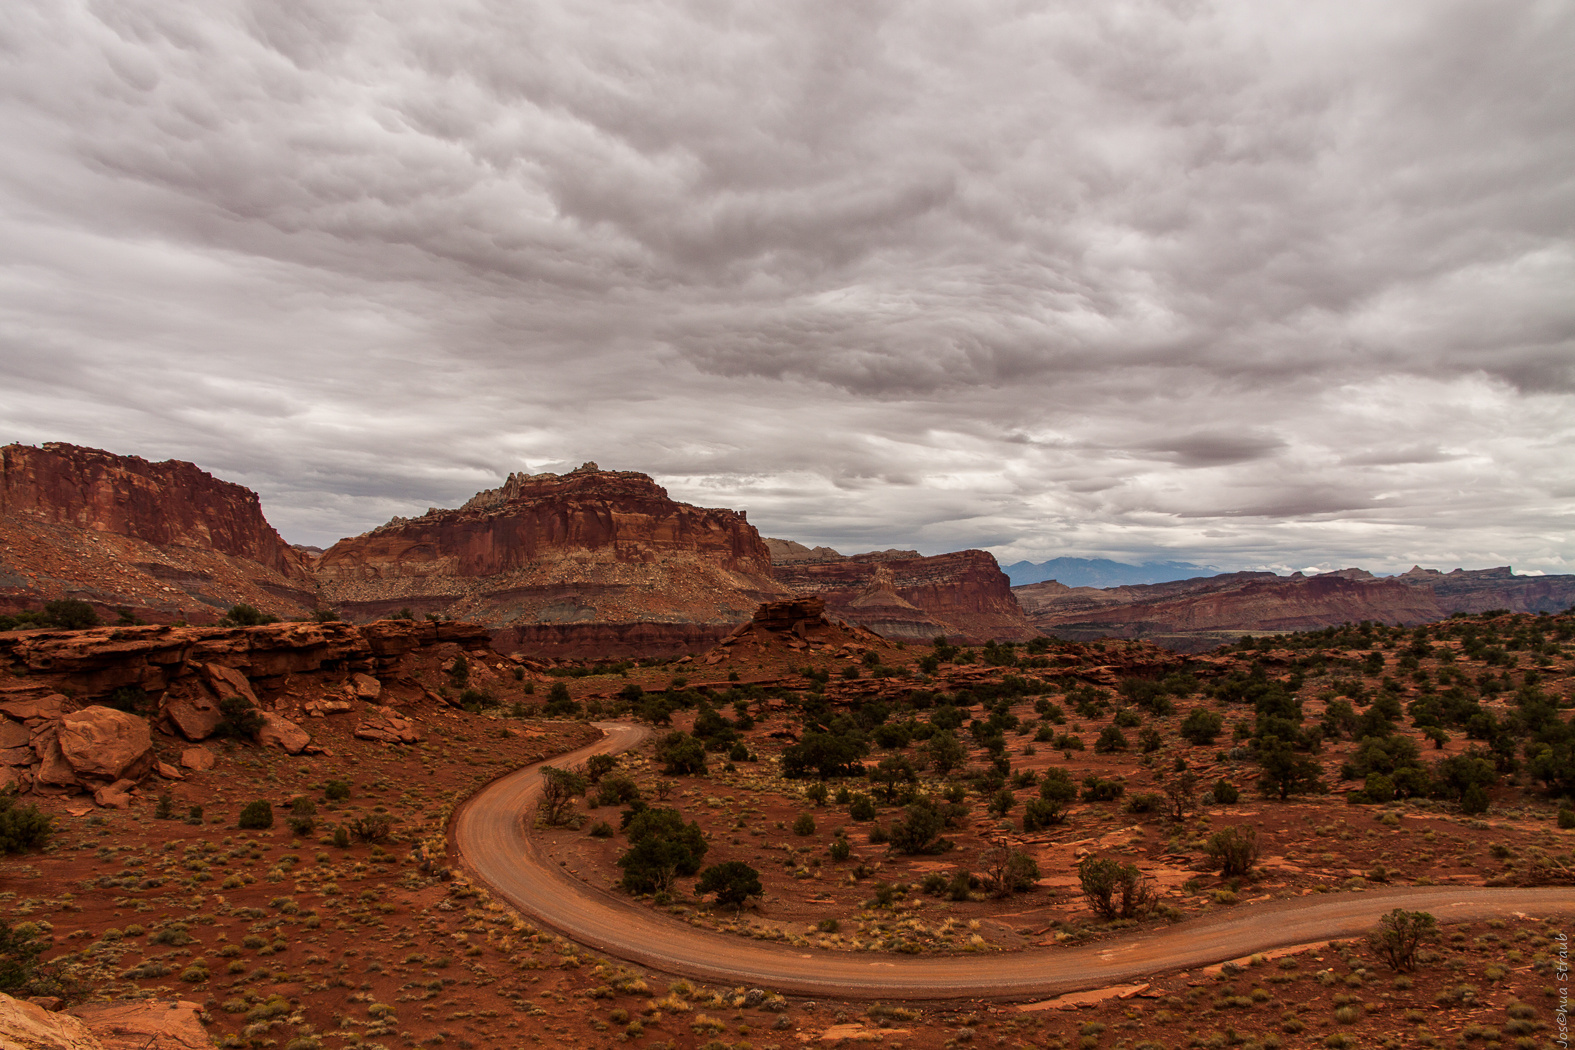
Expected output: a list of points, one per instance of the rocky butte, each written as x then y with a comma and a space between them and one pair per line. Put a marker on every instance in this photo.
164, 540
906, 596
587, 563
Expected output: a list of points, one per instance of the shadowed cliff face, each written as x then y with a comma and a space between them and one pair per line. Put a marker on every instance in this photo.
963, 595
166, 540
578, 551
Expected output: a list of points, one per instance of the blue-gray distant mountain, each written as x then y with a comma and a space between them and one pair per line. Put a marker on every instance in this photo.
1102, 572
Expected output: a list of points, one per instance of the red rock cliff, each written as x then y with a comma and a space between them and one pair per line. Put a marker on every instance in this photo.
963, 594
165, 539
578, 551
168, 504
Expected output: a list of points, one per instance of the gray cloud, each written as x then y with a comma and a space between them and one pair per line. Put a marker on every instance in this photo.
1242, 283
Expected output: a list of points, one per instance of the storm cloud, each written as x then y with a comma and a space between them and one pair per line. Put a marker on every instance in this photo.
1252, 284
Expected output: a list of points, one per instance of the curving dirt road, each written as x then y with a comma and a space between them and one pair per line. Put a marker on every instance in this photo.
490, 833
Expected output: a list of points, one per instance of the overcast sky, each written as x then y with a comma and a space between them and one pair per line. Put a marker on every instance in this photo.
1256, 284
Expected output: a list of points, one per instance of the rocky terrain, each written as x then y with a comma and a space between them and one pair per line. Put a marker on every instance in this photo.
166, 541
1196, 615
903, 595
815, 755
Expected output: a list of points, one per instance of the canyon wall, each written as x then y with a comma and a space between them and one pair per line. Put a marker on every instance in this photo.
903, 595
588, 563
165, 540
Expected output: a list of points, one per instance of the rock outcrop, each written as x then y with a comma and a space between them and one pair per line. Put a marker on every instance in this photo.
1196, 615
551, 562
52, 743
164, 540
795, 625
905, 596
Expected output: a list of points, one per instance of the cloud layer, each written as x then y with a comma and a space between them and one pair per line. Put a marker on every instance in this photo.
1254, 284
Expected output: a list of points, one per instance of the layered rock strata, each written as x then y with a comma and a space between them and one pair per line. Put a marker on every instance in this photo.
899, 595
594, 561
164, 540
1196, 615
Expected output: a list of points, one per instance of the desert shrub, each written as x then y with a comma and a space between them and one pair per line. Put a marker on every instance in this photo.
375, 827
1009, 870
1400, 934
194, 815
336, 790
661, 847
71, 614
919, 830
1201, 727
616, 790
559, 703
342, 837
840, 848
243, 615
239, 718
164, 809
1567, 818
1115, 890
681, 754
20, 948
804, 825
303, 816
1101, 789
1112, 739
1146, 802
601, 830
256, 815
733, 882
861, 807
1234, 849
22, 827
1225, 793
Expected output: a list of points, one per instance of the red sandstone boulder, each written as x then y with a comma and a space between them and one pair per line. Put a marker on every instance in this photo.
197, 759
366, 687
105, 744
49, 707
14, 734
116, 795
283, 734
191, 712
146, 1025
383, 726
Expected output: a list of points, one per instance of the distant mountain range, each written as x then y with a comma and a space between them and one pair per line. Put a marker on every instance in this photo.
1102, 572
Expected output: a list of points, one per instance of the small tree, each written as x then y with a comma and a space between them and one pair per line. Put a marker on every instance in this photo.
1112, 739
1181, 794
894, 770
1115, 890
1009, 870
682, 754
919, 829
1400, 934
1235, 849
19, 952
598, 766
661, 847
560, 787
1201, 727
733, 882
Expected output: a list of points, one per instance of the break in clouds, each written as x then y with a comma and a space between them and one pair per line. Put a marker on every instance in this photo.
1255, 284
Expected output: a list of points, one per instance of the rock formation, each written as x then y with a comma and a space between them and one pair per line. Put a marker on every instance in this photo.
592, 561
1195, 615
52, 742
164, 540
794, 625
906, 596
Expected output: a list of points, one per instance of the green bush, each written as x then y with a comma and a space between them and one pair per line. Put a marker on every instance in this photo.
1235, 849
733, 882
256, 816
240, 720
804, 825
243, 615
336, 790
1567, 818
303, 816
22, 827
1226, 793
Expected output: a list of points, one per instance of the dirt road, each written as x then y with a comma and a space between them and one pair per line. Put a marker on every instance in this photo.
490, 832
